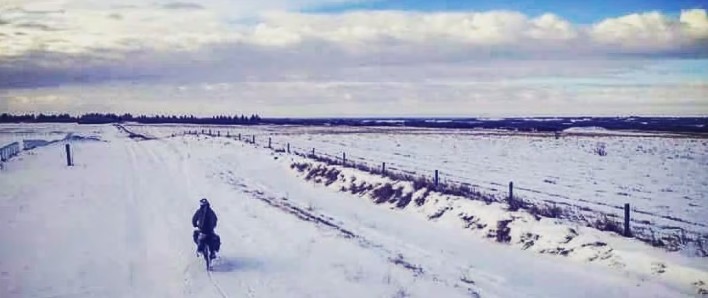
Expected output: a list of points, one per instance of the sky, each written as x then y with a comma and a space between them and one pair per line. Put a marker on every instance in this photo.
355, 58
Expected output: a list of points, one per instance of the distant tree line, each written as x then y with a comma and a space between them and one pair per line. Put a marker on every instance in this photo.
98, 118
667, 124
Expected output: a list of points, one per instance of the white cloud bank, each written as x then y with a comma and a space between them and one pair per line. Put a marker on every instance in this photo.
119, 41
130, 55
650, 32
188, 26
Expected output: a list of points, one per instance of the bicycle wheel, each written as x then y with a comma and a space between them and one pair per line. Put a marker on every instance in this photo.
205, 254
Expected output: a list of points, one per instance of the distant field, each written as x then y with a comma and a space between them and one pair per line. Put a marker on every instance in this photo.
10, 133
658, 174
663, 176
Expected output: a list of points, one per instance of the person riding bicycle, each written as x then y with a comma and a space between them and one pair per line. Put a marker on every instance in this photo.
204, 220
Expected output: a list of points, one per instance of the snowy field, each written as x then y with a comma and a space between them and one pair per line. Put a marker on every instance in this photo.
662, 176
117, 224
47, 132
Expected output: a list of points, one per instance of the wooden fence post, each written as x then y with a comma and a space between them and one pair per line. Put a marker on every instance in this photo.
313, 152
239, 136
68, 155
513, 206
269, 143
627, 231
437, 178
511, 190
288, 148
383, 168
344, 159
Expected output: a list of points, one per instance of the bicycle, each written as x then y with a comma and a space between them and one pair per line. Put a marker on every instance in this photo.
204, 248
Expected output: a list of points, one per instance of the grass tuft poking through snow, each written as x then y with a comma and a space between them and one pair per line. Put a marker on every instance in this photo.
543, 228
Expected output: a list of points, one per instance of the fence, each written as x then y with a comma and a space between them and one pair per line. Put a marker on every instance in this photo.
31, 144
671, 237
442, 182
8, 151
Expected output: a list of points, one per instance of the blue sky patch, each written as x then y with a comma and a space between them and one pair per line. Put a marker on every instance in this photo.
574, 11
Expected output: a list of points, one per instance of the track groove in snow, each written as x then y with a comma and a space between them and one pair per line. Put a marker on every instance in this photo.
320, 220
216, 285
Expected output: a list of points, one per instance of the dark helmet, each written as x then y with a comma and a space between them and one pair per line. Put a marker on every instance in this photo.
204, 202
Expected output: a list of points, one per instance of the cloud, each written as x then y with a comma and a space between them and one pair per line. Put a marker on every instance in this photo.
654, 32
551, 27
381, 29
488, 32
432, 35
267, 57
40, 27
182, 5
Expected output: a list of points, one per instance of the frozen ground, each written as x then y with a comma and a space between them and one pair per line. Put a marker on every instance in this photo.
117, 225
662, 176
49, 132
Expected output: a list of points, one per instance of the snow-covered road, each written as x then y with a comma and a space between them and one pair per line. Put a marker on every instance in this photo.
117, 224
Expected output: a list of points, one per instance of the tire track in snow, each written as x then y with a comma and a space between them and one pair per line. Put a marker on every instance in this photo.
218, 288
158, 159
142, 154
319, 220
182, 170
184, 167
216, 285
131, 221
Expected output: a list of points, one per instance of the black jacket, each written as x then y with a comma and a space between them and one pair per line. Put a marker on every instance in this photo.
204, 219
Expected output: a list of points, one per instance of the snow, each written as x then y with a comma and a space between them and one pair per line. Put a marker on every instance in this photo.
660, 175
117, 224
545, 236
591, 129
44, 132
598, 131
